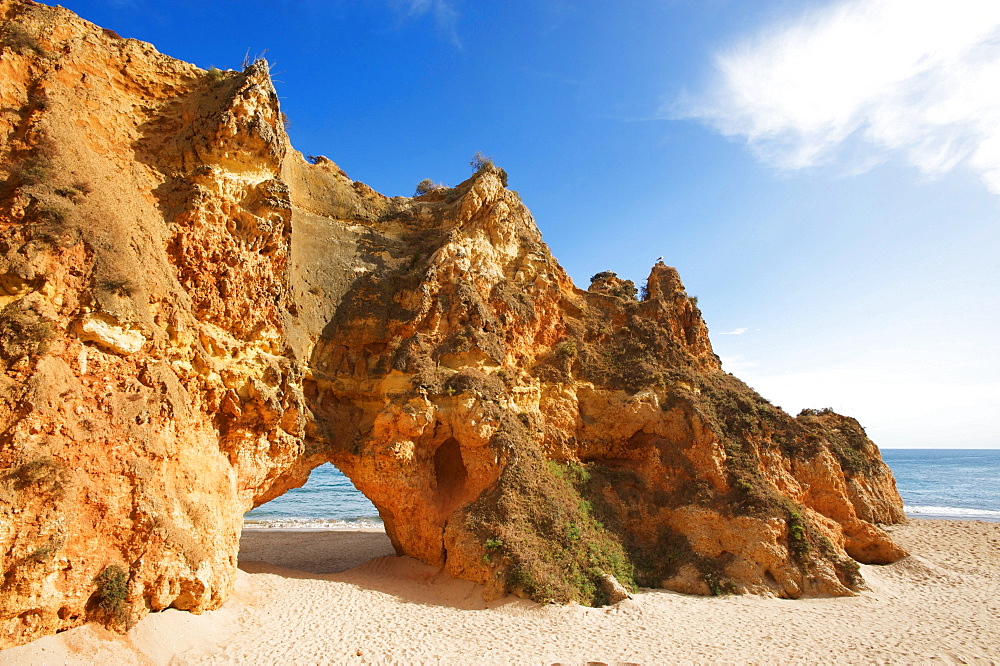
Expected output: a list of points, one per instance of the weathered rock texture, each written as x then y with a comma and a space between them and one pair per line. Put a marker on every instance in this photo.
194, 317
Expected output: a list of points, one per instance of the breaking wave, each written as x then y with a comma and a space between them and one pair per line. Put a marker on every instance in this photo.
951, 512
313, 524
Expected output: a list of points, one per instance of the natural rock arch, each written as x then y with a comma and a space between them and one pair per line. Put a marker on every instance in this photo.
195, 316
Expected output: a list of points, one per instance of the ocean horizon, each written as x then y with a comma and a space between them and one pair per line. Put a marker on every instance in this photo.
956, 484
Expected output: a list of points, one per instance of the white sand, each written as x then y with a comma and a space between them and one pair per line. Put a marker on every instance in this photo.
943, 603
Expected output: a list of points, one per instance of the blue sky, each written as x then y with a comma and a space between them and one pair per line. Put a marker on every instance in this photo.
825, 175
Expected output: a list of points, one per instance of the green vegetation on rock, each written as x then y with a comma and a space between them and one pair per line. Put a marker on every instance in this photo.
112, 593
542, 536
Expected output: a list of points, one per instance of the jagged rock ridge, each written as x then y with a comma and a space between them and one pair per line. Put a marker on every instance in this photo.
194, 317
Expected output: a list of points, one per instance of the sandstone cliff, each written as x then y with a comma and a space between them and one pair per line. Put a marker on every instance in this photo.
194, 317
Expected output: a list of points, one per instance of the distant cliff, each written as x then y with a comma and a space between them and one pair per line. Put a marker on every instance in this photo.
194, 316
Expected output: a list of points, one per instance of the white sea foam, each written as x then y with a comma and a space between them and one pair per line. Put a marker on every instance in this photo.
957, 512
314, 524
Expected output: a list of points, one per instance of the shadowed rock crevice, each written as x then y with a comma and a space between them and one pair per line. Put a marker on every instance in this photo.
450, 475
193, 317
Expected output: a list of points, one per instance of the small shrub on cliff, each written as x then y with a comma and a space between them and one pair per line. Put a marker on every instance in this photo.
798, 541
614, 286
112, 593
122, 286
808, 411
32, 171
74, 192
628, 290
603, 275
37, 167
43, 475
428, 185
46, 551
51, 213
24, 332
481, 163
850, 573
717, 585
21, 41
491, 546
38, 99
423, 187
567, 350
475, 382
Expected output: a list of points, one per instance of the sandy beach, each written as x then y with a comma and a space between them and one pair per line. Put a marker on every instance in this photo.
296, 602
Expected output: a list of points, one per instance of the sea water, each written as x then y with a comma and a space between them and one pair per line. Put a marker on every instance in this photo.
934, 483
327, 501
947, 483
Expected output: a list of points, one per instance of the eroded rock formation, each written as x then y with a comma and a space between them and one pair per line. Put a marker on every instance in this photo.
194, 317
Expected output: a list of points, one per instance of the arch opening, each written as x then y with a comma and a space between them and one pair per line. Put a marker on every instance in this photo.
325, 526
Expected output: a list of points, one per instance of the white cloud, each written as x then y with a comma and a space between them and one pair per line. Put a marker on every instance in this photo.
738, 331
861, 81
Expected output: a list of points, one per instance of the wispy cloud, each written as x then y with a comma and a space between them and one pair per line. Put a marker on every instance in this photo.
861, 81
444, 13
737, 364
738, 331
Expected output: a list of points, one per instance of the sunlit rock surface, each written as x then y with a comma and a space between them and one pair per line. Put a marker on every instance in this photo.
194, 317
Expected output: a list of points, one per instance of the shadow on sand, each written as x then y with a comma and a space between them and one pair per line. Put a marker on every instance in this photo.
364, 559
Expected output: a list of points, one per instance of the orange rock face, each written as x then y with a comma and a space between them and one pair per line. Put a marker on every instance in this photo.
194, 317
